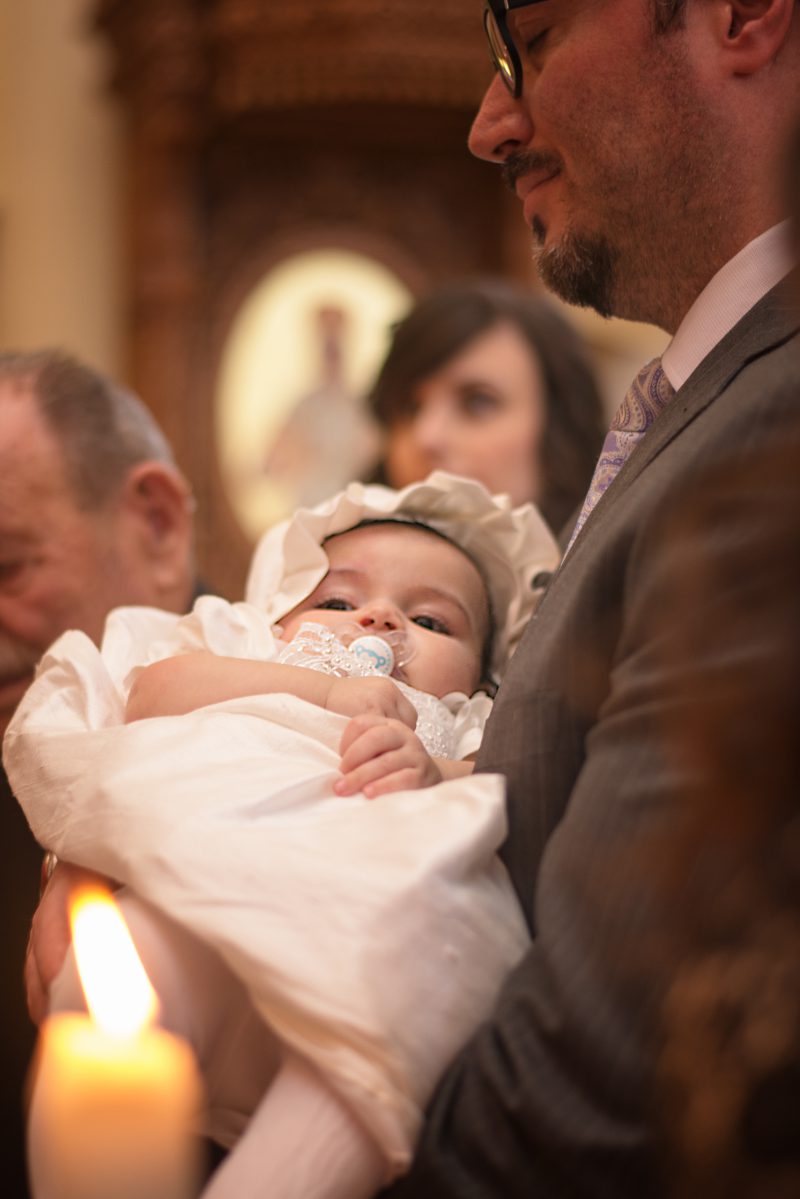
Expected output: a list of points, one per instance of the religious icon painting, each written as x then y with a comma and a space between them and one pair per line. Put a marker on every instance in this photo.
292, 426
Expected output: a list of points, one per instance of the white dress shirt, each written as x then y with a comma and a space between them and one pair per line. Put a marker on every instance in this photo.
732, 292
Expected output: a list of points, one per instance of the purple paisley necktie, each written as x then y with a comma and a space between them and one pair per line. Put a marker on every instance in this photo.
647, 396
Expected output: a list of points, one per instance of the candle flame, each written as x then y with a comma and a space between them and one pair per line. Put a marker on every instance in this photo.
117, 989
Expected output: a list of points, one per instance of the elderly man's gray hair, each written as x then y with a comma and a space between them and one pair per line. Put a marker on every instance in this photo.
102, 428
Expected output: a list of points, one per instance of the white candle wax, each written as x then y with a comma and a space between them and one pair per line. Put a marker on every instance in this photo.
112, 1117
115, 1099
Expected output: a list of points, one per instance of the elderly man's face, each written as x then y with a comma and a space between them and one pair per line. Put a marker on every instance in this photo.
60, 567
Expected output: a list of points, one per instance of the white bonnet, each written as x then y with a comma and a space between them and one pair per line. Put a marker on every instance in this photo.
509, 545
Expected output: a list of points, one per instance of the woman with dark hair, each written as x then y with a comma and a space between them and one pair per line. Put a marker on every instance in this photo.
486, 380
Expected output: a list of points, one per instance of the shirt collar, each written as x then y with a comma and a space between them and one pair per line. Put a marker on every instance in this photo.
731, 293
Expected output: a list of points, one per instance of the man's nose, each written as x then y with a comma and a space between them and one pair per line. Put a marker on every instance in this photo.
502, 124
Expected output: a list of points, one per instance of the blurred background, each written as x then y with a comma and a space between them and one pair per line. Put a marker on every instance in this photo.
228, 203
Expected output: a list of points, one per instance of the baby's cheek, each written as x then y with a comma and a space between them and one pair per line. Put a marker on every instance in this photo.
459, 669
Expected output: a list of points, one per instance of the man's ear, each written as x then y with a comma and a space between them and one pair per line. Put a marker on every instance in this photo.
157, 502
752, 32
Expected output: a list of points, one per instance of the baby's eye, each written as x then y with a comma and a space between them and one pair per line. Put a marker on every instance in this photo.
335, 603
433, 623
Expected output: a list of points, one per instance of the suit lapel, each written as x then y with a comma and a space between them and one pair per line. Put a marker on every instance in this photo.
769, 323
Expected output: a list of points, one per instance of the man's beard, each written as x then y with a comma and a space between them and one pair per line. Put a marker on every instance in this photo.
580, 268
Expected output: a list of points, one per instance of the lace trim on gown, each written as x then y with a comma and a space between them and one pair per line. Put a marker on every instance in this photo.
316, 647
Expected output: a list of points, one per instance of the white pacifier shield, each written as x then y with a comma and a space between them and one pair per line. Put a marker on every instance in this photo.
375, 651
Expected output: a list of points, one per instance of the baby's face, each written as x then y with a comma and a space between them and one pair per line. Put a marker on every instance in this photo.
386, 577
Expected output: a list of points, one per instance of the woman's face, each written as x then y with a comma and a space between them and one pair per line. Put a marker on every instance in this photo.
479, 415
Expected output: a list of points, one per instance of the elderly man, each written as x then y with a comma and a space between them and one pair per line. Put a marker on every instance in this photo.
644, 139
93, 514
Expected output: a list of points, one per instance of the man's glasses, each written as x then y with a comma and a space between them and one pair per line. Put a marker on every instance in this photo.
501, 44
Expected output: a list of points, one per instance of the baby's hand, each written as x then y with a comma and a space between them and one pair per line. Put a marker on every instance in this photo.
380, 755
374, 695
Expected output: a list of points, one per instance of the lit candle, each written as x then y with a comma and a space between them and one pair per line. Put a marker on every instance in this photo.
115, 1099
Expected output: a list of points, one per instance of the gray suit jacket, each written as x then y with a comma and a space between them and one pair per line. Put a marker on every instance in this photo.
550, 1098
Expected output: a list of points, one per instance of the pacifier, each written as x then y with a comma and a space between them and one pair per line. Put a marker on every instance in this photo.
382, 652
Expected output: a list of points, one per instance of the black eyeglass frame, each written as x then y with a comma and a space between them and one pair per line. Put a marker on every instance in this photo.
507, 65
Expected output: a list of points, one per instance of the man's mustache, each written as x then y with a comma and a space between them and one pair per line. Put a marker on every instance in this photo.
528, 162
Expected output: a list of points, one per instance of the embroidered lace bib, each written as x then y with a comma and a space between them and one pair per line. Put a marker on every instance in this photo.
316, 647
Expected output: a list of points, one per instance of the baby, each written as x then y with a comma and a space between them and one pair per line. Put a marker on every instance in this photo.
412, 605
325, 955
